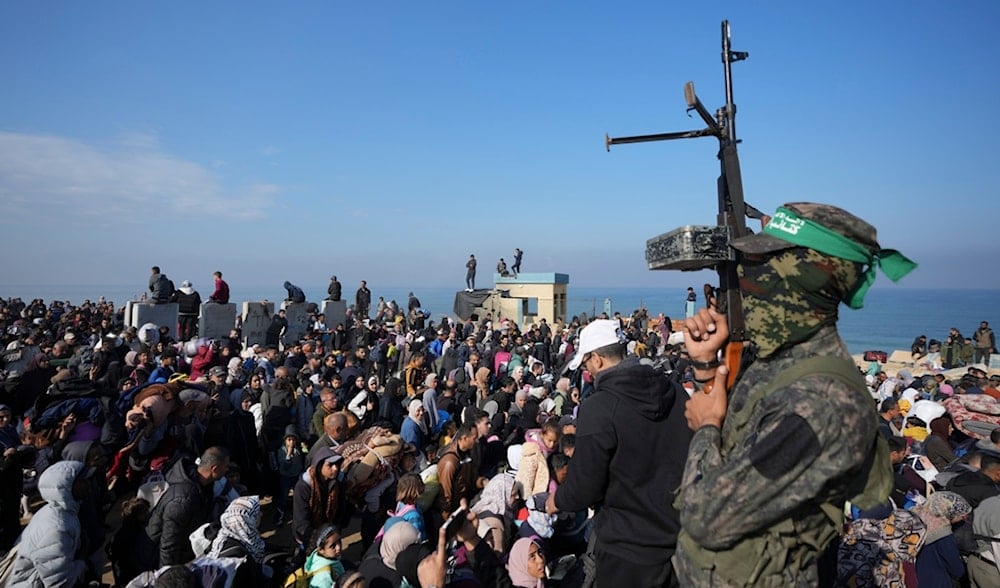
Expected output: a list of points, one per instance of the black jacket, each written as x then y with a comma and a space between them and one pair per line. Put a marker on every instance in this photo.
249, 574
188, 304
375, 571
631, 446
184, 507
975, 487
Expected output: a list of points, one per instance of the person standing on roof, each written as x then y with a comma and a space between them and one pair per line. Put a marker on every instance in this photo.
470, 273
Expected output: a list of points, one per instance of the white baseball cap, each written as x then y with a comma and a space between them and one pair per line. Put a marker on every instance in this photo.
597, 334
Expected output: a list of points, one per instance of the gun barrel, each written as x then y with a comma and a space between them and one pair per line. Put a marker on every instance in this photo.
728, 57
609, 141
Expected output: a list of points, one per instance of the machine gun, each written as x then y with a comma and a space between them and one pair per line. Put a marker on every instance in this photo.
690, 247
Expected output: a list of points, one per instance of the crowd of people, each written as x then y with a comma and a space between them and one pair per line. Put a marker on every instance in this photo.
955, 350
588, 452
140, 443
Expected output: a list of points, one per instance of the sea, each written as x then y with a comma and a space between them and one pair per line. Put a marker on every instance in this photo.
891, 318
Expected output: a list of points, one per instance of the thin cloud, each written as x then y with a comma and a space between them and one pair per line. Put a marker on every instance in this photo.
43, 175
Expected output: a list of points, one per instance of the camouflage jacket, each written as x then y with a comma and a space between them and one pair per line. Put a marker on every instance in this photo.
800, 447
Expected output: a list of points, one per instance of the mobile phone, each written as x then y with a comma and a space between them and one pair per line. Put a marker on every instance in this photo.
455, 522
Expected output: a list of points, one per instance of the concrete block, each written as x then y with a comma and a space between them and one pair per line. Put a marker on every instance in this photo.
336, 312
297, 314
216, 320
256, 319
161, 315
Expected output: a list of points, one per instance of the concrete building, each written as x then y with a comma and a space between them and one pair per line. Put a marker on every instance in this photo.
533, 296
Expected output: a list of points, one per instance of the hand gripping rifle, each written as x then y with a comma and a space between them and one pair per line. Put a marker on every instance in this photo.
690, 247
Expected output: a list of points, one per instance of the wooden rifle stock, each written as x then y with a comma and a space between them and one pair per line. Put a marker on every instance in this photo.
732, 353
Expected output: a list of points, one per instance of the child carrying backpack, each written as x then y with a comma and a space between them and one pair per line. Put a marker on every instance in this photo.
323, 566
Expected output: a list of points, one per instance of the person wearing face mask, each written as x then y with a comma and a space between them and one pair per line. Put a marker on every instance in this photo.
774, 459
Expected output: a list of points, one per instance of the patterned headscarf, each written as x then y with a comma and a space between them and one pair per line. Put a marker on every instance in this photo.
495, 498
792, 295
239, 522
873, 551
938, 513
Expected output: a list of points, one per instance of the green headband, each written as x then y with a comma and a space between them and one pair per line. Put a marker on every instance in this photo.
788, 226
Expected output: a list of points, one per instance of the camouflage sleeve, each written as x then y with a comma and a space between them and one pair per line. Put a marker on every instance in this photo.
703, 455
795, 447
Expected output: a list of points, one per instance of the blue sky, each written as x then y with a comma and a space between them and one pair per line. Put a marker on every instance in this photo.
387, 141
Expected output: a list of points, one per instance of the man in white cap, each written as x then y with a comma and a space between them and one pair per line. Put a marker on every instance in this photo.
631, 444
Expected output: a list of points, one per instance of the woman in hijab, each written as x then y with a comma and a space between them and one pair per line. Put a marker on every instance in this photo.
496, 508
393, 411
430, 404
138, 368
573, 403
239, 536
241, 438
482, 378
936, 446
939, 561
379, 564
414, 430
395, 540
364, 404
234, 372
352, 389
526, 565
256, 385
518, 375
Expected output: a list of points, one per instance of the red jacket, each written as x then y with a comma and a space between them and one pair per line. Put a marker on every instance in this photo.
202, 361
221, 294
